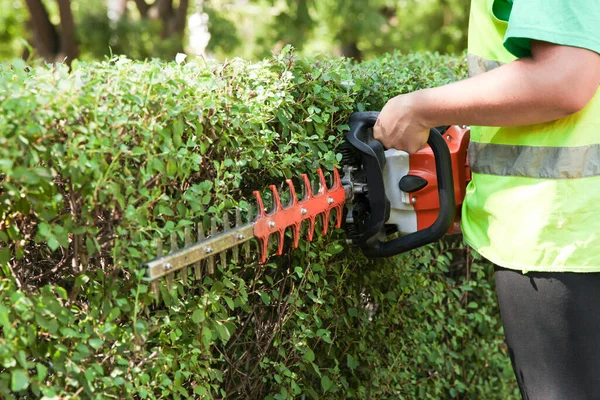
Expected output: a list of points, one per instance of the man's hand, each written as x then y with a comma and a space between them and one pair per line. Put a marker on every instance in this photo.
400, 127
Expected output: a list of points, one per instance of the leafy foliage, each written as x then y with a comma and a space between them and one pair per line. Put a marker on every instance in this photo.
97, 162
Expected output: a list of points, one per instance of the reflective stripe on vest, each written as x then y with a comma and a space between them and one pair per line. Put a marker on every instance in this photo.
535, 161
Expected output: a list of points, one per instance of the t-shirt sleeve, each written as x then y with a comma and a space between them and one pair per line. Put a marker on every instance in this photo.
566, 22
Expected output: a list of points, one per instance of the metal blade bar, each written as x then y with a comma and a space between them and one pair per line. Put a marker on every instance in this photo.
198, 251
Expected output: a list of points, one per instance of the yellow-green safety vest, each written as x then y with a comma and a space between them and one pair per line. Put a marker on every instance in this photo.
534, 201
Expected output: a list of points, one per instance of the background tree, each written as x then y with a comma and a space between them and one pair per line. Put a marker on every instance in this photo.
51, 43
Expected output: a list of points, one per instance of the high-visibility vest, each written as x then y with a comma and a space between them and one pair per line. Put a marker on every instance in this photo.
534, 201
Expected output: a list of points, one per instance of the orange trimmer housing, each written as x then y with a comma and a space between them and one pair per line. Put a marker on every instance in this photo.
426, 201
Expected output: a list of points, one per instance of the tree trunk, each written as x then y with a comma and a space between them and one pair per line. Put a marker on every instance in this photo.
164, 8
142, 7
180, 17
68, 42
351, 50
46, 39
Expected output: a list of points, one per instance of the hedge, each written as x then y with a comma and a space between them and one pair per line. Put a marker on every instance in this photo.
98, 162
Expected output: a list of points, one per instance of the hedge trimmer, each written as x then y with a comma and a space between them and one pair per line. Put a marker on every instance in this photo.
387, 202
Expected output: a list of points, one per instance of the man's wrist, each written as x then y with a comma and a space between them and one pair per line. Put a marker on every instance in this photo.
422, 108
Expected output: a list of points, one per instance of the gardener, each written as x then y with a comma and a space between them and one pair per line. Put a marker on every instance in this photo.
533, 207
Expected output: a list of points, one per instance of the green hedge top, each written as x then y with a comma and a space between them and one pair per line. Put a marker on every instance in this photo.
98, 162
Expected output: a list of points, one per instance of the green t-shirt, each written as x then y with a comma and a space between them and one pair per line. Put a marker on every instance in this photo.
566, 22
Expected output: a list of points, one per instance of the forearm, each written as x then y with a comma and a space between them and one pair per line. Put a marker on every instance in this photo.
516, 94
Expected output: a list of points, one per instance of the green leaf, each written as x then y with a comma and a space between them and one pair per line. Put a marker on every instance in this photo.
222, 331
351, 362
200, 390
42, 372
4, 319
53, 243
229, 302
326, 383
325, 335
4, 255
19, 380
5, 164
96, 343
62, 293
52, 326
198, 316
265, 297
309, 355
68, 332
81, 279
171, 168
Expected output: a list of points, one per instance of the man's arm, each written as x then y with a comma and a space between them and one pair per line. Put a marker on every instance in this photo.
555, 82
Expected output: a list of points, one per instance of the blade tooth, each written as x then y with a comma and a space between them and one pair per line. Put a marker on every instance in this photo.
213, 226
159, 252
247, 244
198, 265
210, 268
236, 250
223, 256
325, 220
170, 282
338, 217
159, 247
322, 181
307, 188
226, 227
296, 232
187, 236
260, 204
337, 182
238, 217
211, 260
280, 241
188, 241
276, 199
174, 248
293, 200
311, 229
155, 289
264, 250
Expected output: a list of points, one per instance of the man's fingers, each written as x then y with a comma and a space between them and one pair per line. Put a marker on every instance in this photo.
377, 132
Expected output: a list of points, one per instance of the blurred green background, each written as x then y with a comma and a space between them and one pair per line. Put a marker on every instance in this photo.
251, 29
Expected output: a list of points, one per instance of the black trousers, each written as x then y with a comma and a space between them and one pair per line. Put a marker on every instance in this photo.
552, 328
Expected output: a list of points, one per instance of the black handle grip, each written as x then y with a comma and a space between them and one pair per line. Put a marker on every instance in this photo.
373, 161
361, 136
